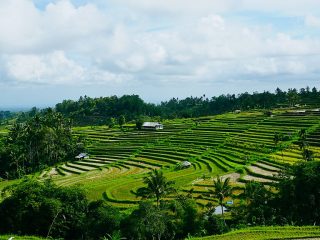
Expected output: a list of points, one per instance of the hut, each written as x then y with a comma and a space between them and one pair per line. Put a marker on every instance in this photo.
185, 164
82, 156
151, 126
218, 210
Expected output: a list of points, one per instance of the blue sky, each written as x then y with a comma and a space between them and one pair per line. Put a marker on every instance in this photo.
52, 50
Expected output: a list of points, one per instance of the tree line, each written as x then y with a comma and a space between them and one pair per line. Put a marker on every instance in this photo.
113, 109
41, 141
41, 138
44, 209
101, 110
5, 115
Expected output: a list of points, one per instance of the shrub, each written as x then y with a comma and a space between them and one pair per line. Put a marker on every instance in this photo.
42, 209
102, 219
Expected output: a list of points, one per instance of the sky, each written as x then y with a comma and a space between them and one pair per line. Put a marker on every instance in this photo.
52, 50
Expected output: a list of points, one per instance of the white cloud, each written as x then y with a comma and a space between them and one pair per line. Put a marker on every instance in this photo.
312, 21
133, 63
148, 41
178, 6
273, 66
213, 22
24, 28
284, 44
204, 7
292, 7
18, 25
68, 21
56, 68
53, 68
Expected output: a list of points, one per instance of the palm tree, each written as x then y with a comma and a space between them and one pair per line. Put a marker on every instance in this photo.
276, 139
222, 189
253, 191
307, 154
121, 121
302, 134
157, 186
302, 142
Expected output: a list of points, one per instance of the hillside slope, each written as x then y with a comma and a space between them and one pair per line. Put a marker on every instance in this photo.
264, 233
237, 145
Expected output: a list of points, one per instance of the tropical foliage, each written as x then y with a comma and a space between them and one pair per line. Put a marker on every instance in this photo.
157, 186
222, 190
244, 146
43, 209
99, 111
40, 142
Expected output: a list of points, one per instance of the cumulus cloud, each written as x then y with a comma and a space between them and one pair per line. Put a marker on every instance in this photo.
205, 7
24, 28
18, 25
273, 66
53, 68
154, 42
178, 6
56, 68
312, 21
292, 7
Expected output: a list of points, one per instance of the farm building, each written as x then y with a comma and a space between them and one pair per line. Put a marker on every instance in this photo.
82, 156
151, 126
185, 164
218, 210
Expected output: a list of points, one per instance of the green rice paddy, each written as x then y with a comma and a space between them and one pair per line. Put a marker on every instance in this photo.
239, 146
264, 233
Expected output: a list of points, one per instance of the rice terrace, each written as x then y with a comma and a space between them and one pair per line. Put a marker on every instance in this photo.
114, 160
240, 146
159, 120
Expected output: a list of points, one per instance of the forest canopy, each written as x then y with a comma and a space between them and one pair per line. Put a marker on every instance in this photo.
41, 141
102, 110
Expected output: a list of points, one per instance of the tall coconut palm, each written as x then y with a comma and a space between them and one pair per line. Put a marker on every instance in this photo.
302, 134
222, 190
276, 139
157, 186
253, 191
302, 142
307, 154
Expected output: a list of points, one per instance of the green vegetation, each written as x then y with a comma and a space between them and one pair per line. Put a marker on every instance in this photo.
157, 186
263, 233
104, 110
44, 209
261, 165
40, 142
222, 190
6, 237
237, 145
32, 208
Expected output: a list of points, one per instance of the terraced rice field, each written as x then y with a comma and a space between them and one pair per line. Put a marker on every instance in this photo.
264, 233
237, 145
3, 131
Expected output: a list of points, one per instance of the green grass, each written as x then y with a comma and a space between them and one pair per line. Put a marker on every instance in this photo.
14, 237
264, 233
218, 145
4, 184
